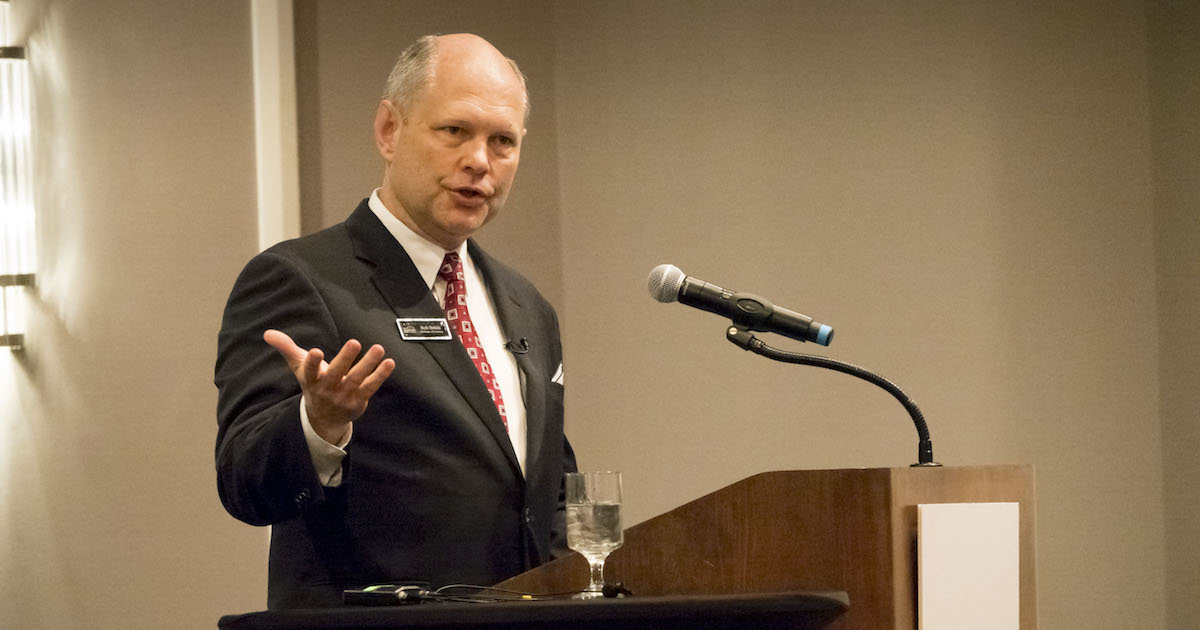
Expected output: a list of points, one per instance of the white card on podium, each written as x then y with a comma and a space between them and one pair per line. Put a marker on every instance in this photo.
968, 566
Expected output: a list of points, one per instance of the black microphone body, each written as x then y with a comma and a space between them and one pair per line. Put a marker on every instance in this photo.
747, 310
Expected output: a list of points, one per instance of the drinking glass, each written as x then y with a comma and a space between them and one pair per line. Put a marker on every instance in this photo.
594, 522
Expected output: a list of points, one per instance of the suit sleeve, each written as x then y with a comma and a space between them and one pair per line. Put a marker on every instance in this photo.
558, 529
558, 526
265, 472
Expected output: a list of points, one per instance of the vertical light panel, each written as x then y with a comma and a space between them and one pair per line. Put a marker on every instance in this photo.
16, 188
275, 121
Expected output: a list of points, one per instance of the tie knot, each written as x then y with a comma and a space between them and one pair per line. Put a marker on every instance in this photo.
451, 268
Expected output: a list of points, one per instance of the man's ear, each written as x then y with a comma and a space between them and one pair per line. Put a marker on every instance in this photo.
387, 123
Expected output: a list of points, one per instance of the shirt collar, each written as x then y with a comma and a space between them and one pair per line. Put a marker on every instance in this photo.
425, 254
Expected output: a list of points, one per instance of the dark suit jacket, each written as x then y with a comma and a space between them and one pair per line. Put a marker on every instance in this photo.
431, 487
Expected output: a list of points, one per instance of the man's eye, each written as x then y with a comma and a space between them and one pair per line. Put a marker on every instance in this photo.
506, 141
452, 130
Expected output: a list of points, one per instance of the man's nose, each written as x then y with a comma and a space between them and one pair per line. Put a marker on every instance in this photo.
475, 156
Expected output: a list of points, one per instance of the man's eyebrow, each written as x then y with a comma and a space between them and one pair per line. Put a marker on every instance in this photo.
458, 121
475, 125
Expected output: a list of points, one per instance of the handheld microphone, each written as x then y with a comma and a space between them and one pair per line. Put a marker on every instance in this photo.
669, 284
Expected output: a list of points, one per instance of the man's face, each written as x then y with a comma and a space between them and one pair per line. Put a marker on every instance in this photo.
453, 155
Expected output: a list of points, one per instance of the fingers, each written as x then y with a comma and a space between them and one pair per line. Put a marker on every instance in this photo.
373, 381
304, 364
291, 352
336, 392
310, 369
365, 366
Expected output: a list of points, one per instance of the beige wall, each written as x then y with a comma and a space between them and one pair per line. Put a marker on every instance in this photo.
1175, 88
964, 192
976, 198
145, 184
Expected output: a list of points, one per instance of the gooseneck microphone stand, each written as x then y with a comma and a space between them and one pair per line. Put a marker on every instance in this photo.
746, 340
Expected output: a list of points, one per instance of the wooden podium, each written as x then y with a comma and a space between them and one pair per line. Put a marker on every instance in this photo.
817, 530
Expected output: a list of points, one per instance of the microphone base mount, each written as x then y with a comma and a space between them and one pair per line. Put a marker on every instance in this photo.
746, 340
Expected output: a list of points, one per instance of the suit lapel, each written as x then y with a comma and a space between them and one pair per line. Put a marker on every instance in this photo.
401, 285
516, 325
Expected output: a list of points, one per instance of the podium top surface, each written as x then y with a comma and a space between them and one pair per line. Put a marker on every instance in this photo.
794, 610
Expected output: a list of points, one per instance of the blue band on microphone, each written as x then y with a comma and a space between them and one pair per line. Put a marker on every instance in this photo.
823, 334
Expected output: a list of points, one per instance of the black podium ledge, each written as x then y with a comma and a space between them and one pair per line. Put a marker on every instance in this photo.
791, 610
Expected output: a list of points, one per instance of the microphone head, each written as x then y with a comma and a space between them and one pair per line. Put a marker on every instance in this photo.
665, 281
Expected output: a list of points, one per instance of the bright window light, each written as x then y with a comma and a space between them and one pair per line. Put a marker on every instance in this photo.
17, 245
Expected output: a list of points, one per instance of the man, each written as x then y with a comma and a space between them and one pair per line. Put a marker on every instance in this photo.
438, 454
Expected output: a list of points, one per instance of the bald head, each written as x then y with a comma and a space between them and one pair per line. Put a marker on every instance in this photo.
457, 54
450, 129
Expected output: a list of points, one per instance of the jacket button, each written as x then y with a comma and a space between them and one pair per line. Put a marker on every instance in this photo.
528, 516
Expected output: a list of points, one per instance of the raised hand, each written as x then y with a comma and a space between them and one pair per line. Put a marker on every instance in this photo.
335, 392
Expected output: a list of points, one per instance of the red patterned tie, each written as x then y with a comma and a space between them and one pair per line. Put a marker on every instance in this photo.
460, 319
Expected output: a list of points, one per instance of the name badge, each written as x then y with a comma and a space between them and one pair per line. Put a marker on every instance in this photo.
424, 329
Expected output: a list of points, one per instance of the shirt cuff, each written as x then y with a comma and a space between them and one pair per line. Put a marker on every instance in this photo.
326, 457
